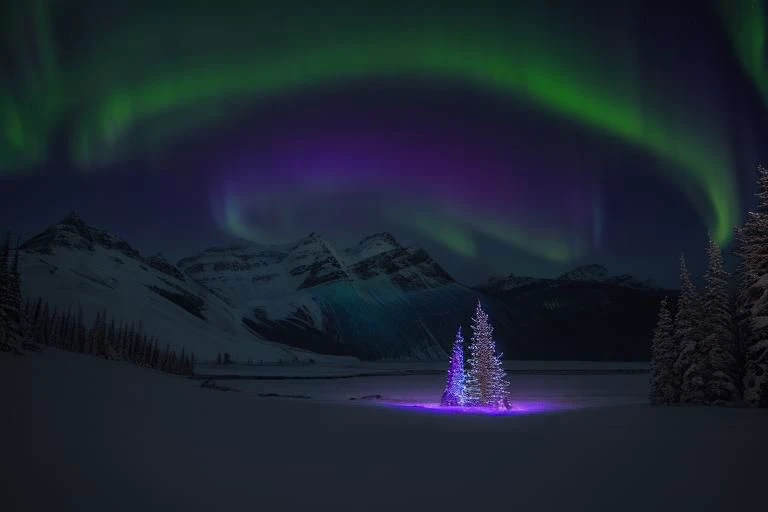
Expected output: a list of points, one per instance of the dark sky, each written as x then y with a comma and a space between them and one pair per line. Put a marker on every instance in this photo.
527, 138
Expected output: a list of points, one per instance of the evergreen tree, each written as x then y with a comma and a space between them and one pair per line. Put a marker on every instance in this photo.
753, 297
690, 367
16, 326
180, 368
454, 386
47, 325
486, 380
663, 355
6, 343
155, 354
66, 332
166, 366
92, 343
718, 345
133, 344
81, 340
111, 344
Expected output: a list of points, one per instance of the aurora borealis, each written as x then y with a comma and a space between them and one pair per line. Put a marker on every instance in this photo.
470, 124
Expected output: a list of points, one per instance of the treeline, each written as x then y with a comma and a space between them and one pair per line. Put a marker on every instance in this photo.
714, 351
104, 337
27, 326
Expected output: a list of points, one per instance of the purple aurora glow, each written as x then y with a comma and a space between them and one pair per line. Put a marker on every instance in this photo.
515, 408
446, 180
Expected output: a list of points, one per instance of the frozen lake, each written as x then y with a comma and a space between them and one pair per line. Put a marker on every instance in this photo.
534, 386
567, 390
91, 435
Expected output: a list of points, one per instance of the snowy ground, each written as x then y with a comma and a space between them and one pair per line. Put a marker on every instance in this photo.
85, 434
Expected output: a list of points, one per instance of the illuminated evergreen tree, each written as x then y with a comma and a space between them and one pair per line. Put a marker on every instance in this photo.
486, 380
454, 386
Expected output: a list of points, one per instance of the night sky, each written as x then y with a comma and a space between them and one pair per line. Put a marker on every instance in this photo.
526, 138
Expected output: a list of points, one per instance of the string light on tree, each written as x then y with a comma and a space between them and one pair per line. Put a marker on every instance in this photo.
454, 393
486, 384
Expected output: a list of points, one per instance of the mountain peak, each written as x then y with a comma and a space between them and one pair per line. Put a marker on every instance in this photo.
591, 272
380, 237
73, 218
509, 282
73, 233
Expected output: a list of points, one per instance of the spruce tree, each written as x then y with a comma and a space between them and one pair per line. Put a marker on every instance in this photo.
47, 325
664, 351
486, 380
6, 343
453, 394
111, 343
718, 345
16, 327
753, 297
182, 361
690, 366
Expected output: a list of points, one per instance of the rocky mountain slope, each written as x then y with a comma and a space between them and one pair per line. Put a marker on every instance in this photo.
71, 263
376, 299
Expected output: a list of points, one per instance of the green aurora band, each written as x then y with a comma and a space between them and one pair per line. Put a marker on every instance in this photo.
135, 97
746, 23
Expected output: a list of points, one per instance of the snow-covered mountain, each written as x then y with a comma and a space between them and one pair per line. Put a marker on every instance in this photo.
592, 273
509, 282
71, 263
376, 299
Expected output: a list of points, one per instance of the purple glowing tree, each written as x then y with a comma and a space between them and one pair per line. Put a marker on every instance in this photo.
486, 384
453, 395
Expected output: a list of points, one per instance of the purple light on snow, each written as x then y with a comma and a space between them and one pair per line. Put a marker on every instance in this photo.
516, 408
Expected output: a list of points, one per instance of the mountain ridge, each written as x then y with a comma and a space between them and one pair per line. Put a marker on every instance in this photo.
376, 299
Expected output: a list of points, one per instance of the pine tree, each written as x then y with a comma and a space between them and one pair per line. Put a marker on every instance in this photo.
66, 331
16, 326
663, 355
166, 364
182, 361
111, 343
92, 342
6, 343
690, 366
454, 386
486, 380
81, 336
718, 345
753, 297
47, 325
130, 337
